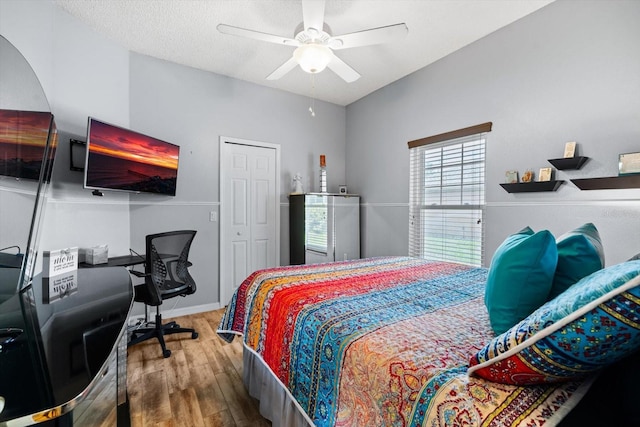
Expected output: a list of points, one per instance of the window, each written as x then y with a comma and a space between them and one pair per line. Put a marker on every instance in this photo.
446, 196
316, 212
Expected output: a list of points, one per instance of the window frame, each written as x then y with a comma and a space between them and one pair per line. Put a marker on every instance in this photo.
421, 210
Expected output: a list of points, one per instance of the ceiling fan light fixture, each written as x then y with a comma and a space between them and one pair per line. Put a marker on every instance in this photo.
312, 58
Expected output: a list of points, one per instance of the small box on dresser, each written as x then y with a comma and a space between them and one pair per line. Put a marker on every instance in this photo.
96, 255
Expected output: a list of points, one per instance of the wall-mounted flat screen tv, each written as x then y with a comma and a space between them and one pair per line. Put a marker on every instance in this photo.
121, 159
23, 140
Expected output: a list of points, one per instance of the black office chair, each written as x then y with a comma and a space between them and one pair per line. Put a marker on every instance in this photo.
166, 276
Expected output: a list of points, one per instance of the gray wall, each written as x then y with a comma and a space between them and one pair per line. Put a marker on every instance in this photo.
568, 72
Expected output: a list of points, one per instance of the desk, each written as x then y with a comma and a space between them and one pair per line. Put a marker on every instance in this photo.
118, 261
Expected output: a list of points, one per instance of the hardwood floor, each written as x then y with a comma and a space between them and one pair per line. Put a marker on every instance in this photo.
199, 385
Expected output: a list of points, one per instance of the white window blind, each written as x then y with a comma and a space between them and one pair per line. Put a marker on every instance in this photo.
446, 199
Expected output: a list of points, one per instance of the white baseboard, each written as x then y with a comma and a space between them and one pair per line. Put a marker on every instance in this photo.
168, 310
195, 309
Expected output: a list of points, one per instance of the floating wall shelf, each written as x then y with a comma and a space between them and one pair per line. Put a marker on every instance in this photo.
568, 162
608, 183
531, 187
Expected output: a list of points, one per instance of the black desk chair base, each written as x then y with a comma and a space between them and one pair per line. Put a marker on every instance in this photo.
158, 331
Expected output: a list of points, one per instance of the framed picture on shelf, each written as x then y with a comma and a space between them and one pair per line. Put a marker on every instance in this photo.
545, 174
511, 177
629, 164
527, 176
569, 149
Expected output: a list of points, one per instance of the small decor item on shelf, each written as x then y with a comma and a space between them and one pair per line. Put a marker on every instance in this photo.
323, 174
59, 261
297, 184
545, 174
342, 189
569, 149
629, 164
59, 274
96, 255
511, 177
527, 176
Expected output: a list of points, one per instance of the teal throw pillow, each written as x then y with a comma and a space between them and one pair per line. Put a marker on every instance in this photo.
520, 277
580, 253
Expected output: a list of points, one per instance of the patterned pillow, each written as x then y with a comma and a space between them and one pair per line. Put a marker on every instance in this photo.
592, 324
520, 277
580, 253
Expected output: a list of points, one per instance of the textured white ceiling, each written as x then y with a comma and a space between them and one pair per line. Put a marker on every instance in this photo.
184, 32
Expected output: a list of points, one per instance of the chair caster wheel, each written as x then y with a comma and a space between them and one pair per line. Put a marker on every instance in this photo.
194, 335
166, 353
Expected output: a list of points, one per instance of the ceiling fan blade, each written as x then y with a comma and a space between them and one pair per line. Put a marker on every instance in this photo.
313, 14
369, 37
257, 35
283, 69
343, 70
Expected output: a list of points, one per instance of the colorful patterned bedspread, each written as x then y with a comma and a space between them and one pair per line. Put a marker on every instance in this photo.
383, 342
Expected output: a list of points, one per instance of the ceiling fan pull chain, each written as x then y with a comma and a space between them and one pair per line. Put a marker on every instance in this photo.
312, 98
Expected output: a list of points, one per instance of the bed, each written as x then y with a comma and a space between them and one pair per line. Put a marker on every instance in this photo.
391, 341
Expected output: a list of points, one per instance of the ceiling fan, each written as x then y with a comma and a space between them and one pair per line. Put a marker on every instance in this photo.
315, 44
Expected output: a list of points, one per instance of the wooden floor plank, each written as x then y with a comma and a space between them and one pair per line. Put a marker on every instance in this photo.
238, 401
195, 353
205, 329
156, 406
136, 420
151, 355
216, 357
134, 391
210, 397
177, 371
223, 418
214, 317
185, 408
200, 384
234, 356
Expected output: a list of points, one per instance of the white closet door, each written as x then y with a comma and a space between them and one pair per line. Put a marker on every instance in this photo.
248, 213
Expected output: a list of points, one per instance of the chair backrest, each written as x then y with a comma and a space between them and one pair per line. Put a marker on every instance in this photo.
167, 265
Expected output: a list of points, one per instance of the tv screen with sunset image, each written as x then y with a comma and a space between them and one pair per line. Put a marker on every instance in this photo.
121, 159
23, 139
